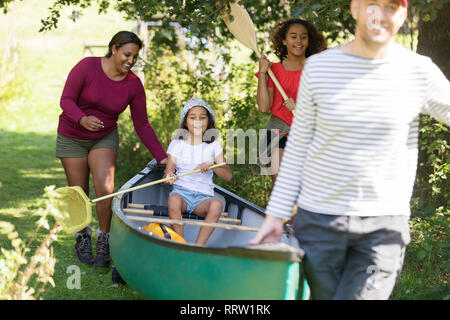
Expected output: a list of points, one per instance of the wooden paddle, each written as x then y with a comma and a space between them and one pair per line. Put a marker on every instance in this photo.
153, 183
243, 29
195, 223
75, 207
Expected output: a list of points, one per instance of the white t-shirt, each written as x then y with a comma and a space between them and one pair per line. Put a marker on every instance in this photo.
188, 157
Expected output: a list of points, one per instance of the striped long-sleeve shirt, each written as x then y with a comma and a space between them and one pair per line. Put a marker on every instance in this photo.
353, 144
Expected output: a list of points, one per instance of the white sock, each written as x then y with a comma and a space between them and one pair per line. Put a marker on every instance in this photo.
88, 231
99, 232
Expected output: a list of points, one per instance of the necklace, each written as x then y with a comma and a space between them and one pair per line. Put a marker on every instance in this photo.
293, 68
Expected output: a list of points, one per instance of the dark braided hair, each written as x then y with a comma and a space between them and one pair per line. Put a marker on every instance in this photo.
316, 41
122, 38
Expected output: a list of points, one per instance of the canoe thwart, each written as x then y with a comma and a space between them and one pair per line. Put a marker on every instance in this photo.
189, 216
162, 208
194, 223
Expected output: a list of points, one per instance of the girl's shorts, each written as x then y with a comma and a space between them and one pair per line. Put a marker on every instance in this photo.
192, 198
281, 144
79, 148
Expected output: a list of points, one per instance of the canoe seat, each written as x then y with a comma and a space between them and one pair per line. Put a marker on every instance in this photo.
163, 211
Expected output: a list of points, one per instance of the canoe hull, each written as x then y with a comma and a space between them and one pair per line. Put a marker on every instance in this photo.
160, 271
163, 269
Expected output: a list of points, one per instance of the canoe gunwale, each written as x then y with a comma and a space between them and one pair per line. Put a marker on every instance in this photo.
290, 254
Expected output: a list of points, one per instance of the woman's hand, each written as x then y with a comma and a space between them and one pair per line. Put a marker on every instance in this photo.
290, 104
204, 167
91, 123
264, 64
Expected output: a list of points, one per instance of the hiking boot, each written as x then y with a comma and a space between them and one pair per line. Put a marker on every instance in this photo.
115, 276
83, 248
102, 258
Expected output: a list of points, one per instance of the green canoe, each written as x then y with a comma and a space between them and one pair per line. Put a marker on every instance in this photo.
226, 268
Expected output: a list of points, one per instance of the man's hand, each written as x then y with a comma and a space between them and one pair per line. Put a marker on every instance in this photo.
270, 230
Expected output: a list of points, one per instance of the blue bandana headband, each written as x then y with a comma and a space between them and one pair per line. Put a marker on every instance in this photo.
195, 102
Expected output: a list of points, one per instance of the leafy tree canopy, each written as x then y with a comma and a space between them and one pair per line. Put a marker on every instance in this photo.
202, 17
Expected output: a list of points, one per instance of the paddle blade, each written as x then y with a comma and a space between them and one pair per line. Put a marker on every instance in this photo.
241, 27
74, 208
163, 231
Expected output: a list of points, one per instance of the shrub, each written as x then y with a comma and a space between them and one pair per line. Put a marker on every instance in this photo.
23, 277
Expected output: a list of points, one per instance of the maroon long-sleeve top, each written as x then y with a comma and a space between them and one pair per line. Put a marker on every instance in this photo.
89, 91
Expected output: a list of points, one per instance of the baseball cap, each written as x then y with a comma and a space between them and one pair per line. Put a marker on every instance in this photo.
195, 102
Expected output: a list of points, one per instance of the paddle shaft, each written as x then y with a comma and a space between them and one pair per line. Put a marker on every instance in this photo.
152, 183
195, 223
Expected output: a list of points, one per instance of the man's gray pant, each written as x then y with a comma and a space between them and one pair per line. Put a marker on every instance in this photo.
351, 257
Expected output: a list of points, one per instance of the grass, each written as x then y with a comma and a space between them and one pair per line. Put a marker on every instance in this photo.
28, 133
30, 111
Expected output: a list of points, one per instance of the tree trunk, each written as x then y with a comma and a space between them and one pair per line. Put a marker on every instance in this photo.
434, 39
434, 42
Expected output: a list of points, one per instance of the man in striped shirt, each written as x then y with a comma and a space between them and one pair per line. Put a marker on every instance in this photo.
351, 157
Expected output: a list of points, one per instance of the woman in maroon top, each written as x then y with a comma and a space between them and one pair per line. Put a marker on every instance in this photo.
293, 40
97, 91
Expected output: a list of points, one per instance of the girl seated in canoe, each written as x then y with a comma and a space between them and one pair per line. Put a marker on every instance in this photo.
196, 147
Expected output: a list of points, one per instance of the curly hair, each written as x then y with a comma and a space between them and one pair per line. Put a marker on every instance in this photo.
316, 41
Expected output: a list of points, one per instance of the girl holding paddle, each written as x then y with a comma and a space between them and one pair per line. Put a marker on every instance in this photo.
195, 147
294, 40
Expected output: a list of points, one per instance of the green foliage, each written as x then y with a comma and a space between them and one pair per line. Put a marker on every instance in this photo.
23, 277
331, 17
10, 85
243, 114
202, 17
426, 272
431, 189
426, 9
4, 4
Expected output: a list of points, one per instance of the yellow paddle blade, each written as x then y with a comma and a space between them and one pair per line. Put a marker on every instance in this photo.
163, 232
241, 27
74, 208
